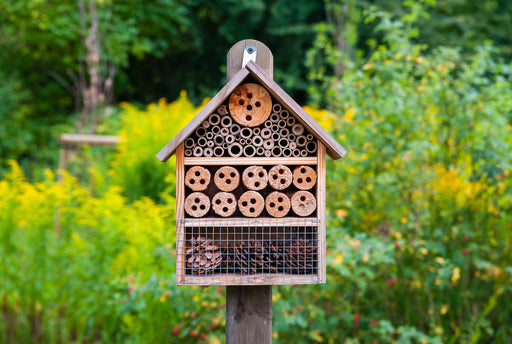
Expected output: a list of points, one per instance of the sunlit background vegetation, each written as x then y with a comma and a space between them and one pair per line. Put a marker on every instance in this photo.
419, 212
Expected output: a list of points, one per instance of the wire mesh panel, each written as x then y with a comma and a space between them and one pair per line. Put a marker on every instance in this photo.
251, 248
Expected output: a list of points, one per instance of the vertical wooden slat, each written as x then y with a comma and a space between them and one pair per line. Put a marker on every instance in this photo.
249, 315
321, 189
180, 213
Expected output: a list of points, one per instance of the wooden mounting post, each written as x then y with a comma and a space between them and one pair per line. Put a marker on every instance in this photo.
249, 308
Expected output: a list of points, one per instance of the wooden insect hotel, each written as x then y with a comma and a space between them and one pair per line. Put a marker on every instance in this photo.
250, 185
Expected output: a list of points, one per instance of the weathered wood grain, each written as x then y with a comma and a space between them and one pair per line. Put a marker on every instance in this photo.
250, 161
264, 58
248, 280
320, 198
249, 315
180, 213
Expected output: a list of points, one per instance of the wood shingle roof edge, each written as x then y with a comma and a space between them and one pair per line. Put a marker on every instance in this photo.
334, 149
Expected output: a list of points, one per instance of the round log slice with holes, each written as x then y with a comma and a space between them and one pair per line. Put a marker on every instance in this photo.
251, 204
227, 178
250, 105
280, 177
303, 203
197, 204
255, 178
224, 204
304, 177
277, 204
197, 178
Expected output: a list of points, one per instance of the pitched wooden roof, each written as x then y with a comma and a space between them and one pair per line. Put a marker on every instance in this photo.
334, 149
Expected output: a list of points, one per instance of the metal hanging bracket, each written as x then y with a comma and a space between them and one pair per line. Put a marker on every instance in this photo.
250, 53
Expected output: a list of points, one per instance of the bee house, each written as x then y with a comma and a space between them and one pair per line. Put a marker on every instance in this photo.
250, 186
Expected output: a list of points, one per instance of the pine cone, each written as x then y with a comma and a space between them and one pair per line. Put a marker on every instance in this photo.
203, 257
299, 257
253, 256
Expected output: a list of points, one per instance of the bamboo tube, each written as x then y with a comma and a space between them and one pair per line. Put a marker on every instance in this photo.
309, 137
268, 144
257, 141
255, 178
265, 133
301, 141
276, 108
275, 128
224, 131
283, 143
197, 204
256, 131
292, 137
290, 121
251, 204
215, 130
224, 204
280, 177
222, 110
260, 151
268, 153
235, 150
296, 153
201, 142
214, 119
284, 114
198, 151
274, 117
226, 121
246, 132
230, 139
237, 137
311, 147
303, 203
200, 132
287, 152
225, 145
276, 151
188, 152
218, 139
209, 135
208, 152
275, 136
292, 145
227, 178
281, 123
210, 143
242, 141
249, 150
218, 151
298, 129
268, 124
277, 204
206, 124
284, 132
303, 153
234, 129
190, 143
248, 141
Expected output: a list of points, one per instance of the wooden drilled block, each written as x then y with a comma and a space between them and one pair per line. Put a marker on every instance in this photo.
277, 204
251, 204
227, 178
197, 178
197, 204
255, 178
250, 105
303, 203
224, 204
304, 177
280, 177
